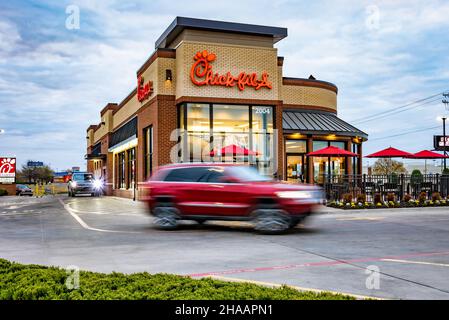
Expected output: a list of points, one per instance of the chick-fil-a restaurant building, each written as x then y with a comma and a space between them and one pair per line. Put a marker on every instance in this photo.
215, 91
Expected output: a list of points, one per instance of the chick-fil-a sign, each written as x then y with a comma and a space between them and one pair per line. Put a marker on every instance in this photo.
202, 74
144, 90
7, 170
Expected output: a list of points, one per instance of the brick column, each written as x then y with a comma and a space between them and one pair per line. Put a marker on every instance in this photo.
309, 160
349, 159
360, 159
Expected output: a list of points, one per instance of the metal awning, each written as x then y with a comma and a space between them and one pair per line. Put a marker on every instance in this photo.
99, 156
318, 122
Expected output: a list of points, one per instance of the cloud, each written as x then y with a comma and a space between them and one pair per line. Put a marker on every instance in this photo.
54, 81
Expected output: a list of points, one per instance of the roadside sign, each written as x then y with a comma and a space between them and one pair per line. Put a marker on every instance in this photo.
35, 164
440, 143
7, 170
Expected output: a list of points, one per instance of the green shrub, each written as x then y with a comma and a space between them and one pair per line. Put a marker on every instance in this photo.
32, 282
446, 171
3, 192
416, 177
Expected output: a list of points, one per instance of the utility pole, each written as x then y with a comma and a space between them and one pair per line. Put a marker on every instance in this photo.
446, 106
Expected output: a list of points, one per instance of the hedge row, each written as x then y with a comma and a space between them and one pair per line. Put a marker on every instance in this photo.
32, 282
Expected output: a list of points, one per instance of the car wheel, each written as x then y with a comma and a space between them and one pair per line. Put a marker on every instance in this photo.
165, 216
271, 220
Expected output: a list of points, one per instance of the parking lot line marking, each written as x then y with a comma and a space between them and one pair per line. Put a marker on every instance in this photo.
277, 285
417, 262
316, 264
360, 218
85, 225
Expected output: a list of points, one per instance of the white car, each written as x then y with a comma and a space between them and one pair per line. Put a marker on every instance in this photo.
84, 183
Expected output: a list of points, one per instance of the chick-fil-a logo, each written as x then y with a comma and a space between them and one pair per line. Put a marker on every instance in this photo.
7, 167
144, 90
202, 74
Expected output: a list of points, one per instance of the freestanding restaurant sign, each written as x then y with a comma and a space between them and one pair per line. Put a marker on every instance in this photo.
202, 74
440, 143
7, 170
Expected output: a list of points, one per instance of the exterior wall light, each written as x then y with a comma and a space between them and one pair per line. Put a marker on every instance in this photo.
168, 75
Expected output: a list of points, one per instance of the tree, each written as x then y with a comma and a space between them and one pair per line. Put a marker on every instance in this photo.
388, 166
35, 174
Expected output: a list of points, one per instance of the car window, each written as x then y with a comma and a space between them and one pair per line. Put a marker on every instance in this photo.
215, 175
83, 177
192, 174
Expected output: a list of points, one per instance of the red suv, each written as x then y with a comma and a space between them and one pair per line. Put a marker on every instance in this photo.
211, 191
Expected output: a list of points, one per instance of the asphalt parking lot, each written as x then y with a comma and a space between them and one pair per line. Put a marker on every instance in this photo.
408, 249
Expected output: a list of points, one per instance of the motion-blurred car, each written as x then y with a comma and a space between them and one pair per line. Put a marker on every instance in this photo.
23, 190
84, 183
222, 191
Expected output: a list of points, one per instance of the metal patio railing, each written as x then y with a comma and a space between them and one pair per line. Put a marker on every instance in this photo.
335, 186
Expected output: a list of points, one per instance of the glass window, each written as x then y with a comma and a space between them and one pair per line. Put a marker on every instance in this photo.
198, 117
231, 130
338, 144
121, 170
262, 119
230, 118
320, 168
318, 145
246, 174
296, 146
193, 174
131, 168
148, 151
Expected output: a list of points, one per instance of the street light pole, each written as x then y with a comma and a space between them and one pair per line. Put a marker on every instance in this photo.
444, 140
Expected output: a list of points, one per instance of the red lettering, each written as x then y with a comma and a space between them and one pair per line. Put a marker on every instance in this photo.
201, 74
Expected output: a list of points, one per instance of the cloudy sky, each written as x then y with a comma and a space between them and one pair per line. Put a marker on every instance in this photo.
381, 54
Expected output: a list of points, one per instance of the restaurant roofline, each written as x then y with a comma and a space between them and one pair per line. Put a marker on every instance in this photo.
179, 24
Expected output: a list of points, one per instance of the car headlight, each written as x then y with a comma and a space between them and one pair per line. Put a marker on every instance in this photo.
299, 194
98, 184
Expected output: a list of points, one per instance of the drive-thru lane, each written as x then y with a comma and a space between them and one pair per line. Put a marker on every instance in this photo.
409, 247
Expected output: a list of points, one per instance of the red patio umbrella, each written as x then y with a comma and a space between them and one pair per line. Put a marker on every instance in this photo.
332, 151
234, 151
389, 153
426, 154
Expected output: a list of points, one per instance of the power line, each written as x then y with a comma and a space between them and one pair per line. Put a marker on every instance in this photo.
381, 116
397, 108
405, 133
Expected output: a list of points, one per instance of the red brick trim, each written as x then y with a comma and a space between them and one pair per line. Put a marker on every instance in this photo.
159, 53
309, 83
308, 107
226, 100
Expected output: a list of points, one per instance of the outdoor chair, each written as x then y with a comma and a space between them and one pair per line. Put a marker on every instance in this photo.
427, 188
390, 187
369, 188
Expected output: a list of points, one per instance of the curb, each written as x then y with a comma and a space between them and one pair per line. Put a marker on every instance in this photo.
277, 285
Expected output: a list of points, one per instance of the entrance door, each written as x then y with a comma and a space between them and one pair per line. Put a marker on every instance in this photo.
295, 167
